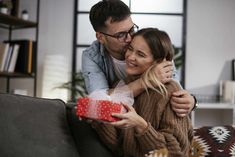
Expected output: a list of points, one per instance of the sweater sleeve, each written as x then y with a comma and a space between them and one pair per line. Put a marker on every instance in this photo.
174, 129
152, 138
172, 133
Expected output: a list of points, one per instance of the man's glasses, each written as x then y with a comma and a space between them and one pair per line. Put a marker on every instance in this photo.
122, 36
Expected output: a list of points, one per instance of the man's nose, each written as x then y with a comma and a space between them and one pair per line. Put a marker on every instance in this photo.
128, 38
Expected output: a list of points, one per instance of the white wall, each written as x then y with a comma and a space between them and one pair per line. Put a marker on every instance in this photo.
55, 37
210, 44
55, 34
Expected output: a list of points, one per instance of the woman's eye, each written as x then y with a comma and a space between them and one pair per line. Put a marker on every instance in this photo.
141, 54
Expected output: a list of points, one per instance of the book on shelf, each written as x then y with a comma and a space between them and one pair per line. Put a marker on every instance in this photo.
233, 69
4, 48
8, 58
20, 57
14, 56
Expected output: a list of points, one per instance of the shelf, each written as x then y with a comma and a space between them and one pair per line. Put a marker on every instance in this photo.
16, 75
8, 25
8, 21
218, 105
213, 114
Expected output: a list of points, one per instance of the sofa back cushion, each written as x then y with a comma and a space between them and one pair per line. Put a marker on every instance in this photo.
34, 127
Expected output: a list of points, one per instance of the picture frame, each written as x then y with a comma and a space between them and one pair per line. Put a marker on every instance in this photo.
233, 69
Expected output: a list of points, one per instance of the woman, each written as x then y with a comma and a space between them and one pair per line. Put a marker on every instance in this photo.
150, 124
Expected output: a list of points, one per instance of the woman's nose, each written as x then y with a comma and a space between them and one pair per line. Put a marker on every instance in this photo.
131, 56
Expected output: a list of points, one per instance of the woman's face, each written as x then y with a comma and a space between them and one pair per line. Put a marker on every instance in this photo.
138, 56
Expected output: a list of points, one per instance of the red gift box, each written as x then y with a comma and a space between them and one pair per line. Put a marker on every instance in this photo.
98, 109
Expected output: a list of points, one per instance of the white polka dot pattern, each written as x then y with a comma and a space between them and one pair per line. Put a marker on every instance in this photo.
98, 109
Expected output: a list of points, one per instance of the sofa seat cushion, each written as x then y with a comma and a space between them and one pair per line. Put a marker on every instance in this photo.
216, 141
34, 127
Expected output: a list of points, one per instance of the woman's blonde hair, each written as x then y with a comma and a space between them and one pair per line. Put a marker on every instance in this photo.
161, 48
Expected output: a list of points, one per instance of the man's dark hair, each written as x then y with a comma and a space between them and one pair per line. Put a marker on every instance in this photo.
101, 11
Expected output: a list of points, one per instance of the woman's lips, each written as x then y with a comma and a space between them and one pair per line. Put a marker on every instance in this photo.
130, 64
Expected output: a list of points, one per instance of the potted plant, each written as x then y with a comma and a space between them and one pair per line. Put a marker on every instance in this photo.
178, 57
3, 7
76, 87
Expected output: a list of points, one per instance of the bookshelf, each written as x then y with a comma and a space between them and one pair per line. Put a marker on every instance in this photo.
220, 113
11, 23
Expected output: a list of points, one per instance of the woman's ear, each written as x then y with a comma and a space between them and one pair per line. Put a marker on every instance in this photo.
99, 37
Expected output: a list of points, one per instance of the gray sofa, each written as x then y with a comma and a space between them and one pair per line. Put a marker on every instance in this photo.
37, 127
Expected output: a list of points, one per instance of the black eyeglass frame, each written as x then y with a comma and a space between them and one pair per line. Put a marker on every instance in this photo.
122, 36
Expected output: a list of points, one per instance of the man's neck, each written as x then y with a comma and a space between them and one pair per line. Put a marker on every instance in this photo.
119, 56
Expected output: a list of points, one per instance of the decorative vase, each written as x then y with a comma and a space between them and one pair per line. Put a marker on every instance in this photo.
25, 15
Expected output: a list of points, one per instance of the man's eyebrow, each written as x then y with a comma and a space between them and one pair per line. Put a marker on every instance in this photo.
126, 31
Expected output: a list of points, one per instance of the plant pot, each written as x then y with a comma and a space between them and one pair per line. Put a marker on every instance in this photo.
25, 16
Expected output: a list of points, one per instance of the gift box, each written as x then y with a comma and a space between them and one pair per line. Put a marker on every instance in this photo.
100, 105
98, 109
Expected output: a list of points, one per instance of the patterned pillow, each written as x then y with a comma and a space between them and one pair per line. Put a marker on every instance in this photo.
216, 141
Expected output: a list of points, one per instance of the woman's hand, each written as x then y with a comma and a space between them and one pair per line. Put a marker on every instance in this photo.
130, 119
164, 71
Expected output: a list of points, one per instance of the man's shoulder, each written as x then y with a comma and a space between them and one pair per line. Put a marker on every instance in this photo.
93, 50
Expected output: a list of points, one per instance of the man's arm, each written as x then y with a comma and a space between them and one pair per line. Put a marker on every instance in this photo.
93, 75
163, 71
182, 101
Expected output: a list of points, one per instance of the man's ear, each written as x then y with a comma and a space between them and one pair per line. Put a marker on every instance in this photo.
99, 37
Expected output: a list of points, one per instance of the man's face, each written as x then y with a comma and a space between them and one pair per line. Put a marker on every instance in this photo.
115, 46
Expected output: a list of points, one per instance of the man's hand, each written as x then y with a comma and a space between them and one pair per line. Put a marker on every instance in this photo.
164, 71
182, 102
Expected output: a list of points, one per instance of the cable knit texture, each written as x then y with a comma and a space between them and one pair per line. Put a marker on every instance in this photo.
165, 129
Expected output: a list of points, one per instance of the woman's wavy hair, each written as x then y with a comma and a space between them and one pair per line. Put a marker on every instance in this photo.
161, 48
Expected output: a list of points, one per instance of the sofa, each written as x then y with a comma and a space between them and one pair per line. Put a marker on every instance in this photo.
39, 127
213, 141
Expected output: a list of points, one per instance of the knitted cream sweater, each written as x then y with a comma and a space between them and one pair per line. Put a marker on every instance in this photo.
165, 129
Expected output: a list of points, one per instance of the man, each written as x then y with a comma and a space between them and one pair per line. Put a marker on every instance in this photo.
103, 62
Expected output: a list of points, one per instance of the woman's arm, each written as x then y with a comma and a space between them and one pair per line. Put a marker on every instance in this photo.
171, 133
175, 130
147, 137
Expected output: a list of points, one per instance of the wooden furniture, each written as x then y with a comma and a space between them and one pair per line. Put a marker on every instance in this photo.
11, 23
213, 114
